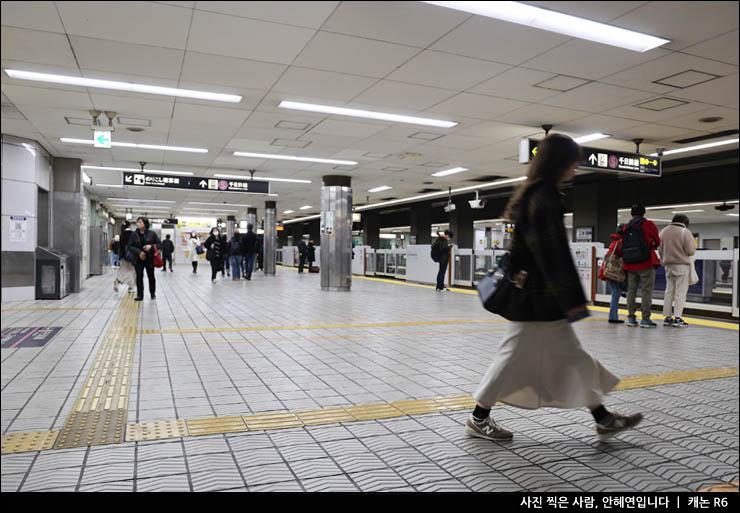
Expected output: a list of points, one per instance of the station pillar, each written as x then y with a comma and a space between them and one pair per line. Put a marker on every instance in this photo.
595, 207
270, 238
336, 233
252, 219
371, 229
421, 225
461, 225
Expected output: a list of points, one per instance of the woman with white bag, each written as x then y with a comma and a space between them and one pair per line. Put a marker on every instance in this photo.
677, 246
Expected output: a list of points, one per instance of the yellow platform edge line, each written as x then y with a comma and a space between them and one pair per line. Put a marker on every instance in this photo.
36, 441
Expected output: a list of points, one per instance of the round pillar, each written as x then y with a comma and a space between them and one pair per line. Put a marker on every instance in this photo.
270, 238
336, 233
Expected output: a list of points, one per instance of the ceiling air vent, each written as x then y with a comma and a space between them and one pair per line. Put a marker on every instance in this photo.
688, 78
661, 104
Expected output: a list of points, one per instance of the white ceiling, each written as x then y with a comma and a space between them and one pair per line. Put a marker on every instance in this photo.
496, 79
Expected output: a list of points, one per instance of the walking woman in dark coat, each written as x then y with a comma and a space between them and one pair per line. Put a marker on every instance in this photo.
214, 252
142, 243
541, 363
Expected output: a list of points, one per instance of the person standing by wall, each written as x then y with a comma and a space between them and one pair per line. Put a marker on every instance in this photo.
441, 254
541, 362
214, 252
168, 249
640, 239
310, 254
611, 271
143, 242
193, 245
677, 246
126, 273
115, 249
249, 243
302, 254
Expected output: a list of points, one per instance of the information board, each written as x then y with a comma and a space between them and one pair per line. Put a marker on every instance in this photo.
38, 336
197, 183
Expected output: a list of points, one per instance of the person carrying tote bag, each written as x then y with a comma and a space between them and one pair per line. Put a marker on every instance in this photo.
612, 272
541, 363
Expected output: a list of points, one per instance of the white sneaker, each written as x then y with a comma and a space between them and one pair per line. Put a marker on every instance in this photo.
115, 286
488, 429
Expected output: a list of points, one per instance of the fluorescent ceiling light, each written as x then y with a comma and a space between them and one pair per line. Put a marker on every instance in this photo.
590, 137
452, 171
107, 185
288, 211
207, 210
299, 219
133, 145
387, 236
136, 208
686, 211
733, 215
305, 207
370, 114
222, 204
489, 220
697, 147
138, 170
380, 189
86, 178
659, 220
122, 86
141, 200
292, 180
293, 157
543, 19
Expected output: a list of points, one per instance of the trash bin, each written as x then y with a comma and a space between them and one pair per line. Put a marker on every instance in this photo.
52, 274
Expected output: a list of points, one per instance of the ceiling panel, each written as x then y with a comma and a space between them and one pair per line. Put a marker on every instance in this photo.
40, 96
33, 46
209, 114
229, 71
596, 123
345, 54
31, 15
652, 132
723, 91
456, 142
475, 106
684, 23
302, 14
459, 74
536, 115
247, 39
304, 82
129, 58
641, 114
409, 23
586, 59
147, 23
142, 106
496, 131
495, 40
723, 48
596, 97
402, 97
343, 128
691, 121
518, 84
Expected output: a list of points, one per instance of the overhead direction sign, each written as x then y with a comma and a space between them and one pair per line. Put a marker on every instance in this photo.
198, 183
102, 139
603, 160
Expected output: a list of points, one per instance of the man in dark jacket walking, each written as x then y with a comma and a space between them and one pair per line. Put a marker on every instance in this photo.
641, 238
441, 254
302, 254
249, 248
168, 249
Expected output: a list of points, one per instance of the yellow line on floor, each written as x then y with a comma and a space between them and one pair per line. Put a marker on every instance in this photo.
179, 428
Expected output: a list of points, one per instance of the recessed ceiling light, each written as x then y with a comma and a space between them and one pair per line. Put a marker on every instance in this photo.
590, 137
133, 169
698, 147
133, 145
305, 207
370, 114
292, 180
121, 86
452, 171
686, 211
379, 189
293, 157
288, 211
543, 19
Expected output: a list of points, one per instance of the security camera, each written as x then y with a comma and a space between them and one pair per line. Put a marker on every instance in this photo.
476, 203
660, 151
450, 207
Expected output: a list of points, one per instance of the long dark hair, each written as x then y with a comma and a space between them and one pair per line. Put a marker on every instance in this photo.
556, 153
125, 226
145, 221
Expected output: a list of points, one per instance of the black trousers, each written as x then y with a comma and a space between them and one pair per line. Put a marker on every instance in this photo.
195, 266
215, 267
441, 274
301, 263
149, 266
167, 257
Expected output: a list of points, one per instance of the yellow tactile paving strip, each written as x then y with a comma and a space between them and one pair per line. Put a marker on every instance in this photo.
101, 410
729, 487
179, 428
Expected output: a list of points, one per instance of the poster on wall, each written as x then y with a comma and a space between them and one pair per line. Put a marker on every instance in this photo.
585, 234
18, 228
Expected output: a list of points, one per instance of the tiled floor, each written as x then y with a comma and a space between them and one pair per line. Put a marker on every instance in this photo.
688, 440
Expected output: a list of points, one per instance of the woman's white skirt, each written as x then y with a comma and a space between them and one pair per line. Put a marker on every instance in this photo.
126, 274
542, 365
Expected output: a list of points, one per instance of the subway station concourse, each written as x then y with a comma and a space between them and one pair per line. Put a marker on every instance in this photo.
330, 144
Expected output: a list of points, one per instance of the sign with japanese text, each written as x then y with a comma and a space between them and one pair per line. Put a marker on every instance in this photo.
197, 183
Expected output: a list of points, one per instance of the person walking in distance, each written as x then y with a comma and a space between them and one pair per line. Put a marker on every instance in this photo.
302, 254
441, 254
611, 271
249, 243
225, 256
194, 247
310, 254
214, 252
236, 255
143, 242
168, 249
115, 250
126, 273
677, 246
541, 363
640, 239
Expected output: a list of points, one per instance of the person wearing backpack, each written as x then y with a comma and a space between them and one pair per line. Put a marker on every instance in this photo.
235, 250
611, 271
249, 248
677, 246
441, 254
640, 239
